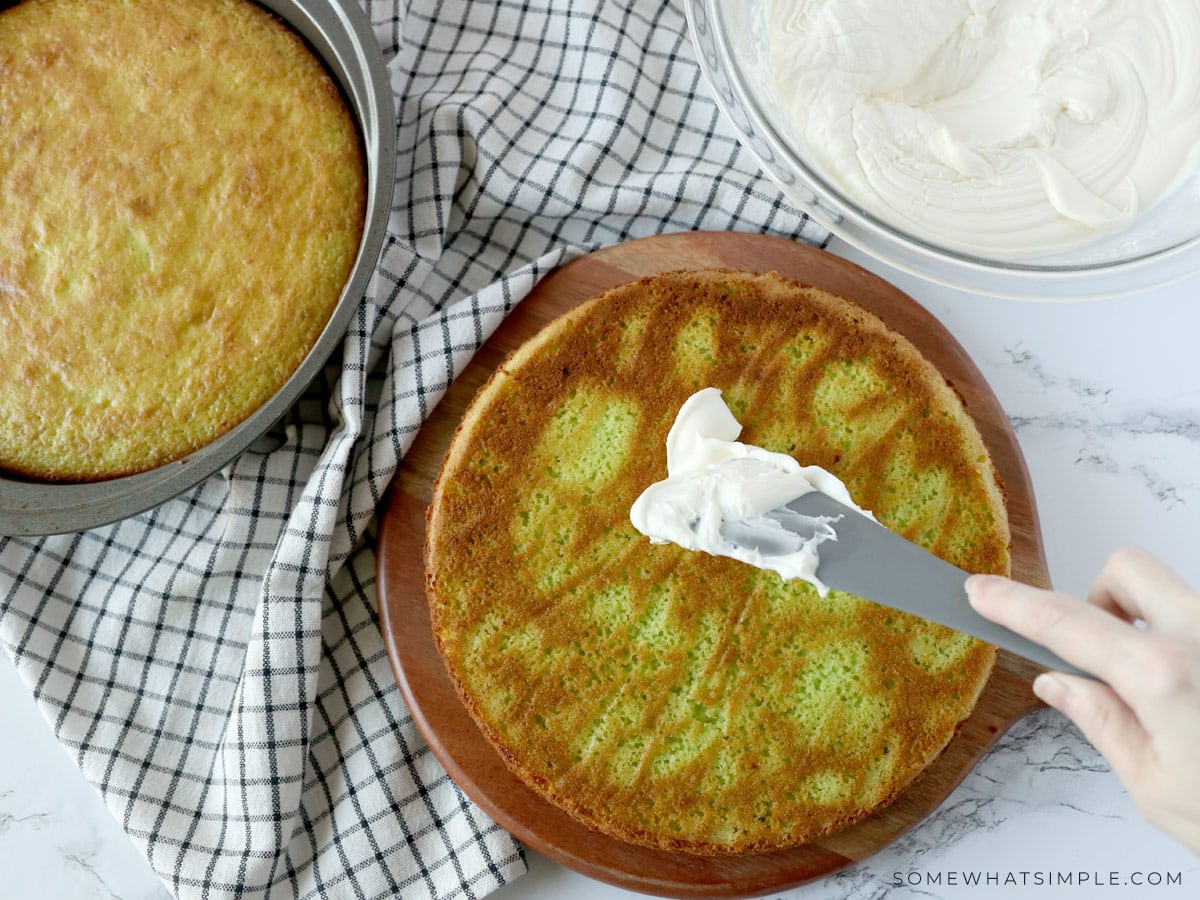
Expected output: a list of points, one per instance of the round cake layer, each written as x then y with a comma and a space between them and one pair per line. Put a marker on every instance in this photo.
681, 700
182, 194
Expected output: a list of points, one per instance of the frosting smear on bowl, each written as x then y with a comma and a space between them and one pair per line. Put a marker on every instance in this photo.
718, 488
1010, 126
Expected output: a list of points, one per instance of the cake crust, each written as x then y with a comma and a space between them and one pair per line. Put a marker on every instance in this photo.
182, 194
684, 701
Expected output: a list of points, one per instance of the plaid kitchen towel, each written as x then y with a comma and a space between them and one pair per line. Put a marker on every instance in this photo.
215, 665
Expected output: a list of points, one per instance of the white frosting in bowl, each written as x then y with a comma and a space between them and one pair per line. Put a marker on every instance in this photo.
1008, 127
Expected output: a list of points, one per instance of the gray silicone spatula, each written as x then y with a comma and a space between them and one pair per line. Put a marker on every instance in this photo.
874, 563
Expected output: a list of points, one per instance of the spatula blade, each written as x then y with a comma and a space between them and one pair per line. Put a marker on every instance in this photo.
872, 562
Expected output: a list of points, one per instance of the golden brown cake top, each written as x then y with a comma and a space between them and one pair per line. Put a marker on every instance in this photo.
671, 698
181, 202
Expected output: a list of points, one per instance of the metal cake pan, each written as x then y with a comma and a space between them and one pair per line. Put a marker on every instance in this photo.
341, 36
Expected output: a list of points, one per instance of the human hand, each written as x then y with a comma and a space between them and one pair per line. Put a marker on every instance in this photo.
1139, 633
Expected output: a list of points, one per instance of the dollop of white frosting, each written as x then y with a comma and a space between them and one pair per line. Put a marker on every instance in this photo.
714, 481
994, 126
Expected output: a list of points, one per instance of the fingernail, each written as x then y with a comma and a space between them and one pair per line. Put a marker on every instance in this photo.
1050, 689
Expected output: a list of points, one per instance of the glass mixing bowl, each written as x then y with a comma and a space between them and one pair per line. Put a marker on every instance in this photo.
1160, 245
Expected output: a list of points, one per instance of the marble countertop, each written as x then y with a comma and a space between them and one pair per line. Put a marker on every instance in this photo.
1105, 400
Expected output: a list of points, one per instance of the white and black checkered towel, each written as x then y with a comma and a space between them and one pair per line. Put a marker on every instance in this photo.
215, 665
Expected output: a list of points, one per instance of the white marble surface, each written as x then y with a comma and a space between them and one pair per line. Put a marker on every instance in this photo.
1105, 397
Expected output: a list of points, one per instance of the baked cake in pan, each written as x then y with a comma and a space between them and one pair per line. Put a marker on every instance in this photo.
182, 195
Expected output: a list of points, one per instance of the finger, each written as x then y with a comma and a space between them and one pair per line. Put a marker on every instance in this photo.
1105, 601
1142, 586
1079, 632
1103, 717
